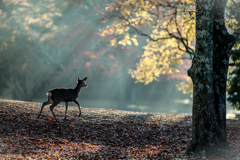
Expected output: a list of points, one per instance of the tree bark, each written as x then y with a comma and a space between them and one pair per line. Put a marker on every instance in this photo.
201, 71
209, 75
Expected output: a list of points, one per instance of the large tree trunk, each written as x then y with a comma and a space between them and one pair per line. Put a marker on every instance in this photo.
209, 75
221, 54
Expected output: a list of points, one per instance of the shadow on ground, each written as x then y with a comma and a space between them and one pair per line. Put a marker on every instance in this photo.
99, 133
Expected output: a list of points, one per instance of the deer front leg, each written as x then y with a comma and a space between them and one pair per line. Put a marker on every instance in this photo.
75, 101
44, 104
66, 110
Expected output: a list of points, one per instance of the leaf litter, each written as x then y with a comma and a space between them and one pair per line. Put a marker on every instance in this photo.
97, 134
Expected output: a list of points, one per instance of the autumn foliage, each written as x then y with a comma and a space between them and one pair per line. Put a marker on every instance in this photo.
168, 27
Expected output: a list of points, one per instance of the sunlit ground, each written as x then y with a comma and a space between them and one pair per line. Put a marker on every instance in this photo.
175, 106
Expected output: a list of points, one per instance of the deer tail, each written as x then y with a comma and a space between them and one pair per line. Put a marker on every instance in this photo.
49, 94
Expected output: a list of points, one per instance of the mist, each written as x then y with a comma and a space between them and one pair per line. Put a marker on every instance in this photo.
48, 44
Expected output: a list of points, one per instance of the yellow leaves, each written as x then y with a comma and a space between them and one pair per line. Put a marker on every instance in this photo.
49, 24
134, 40
113, 42
128, 40
14, 11
45, 16
156, 60
29, 15
162, 56
186, 86
126, 36
142, 21
126, 29
26, 4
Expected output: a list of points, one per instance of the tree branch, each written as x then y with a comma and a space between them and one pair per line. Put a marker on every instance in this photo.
236, 5
233, 38
142, 33
189, 50
236, 33
183, 40
232, 64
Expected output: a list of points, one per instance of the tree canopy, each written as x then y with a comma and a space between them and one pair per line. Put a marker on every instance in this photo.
168, 27
169, 30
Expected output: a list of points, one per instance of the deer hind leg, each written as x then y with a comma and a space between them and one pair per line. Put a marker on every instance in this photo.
44, 104
66, 110
75, 101
51, 108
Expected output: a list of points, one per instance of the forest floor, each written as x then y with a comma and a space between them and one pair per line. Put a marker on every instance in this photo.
97, 134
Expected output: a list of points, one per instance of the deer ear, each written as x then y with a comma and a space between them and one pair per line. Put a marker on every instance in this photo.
84, 79
78, 79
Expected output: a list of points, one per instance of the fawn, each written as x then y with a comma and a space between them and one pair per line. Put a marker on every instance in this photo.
55, 96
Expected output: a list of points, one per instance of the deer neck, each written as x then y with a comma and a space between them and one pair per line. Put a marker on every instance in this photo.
78, 88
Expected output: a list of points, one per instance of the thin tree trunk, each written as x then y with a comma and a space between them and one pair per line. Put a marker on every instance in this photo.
122, 89
133, 95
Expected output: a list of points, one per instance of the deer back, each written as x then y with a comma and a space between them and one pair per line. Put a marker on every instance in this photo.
63, 94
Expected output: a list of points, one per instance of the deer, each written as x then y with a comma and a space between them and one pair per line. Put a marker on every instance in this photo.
57, 95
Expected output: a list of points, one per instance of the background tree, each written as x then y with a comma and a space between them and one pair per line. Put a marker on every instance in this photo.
167, 26
233, 79
58, 41
31, 28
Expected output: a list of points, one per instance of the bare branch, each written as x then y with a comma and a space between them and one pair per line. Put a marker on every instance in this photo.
232, 64
236, 33
140, 32
183, 58
184, 41
236, 5
235, 36
189, 50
